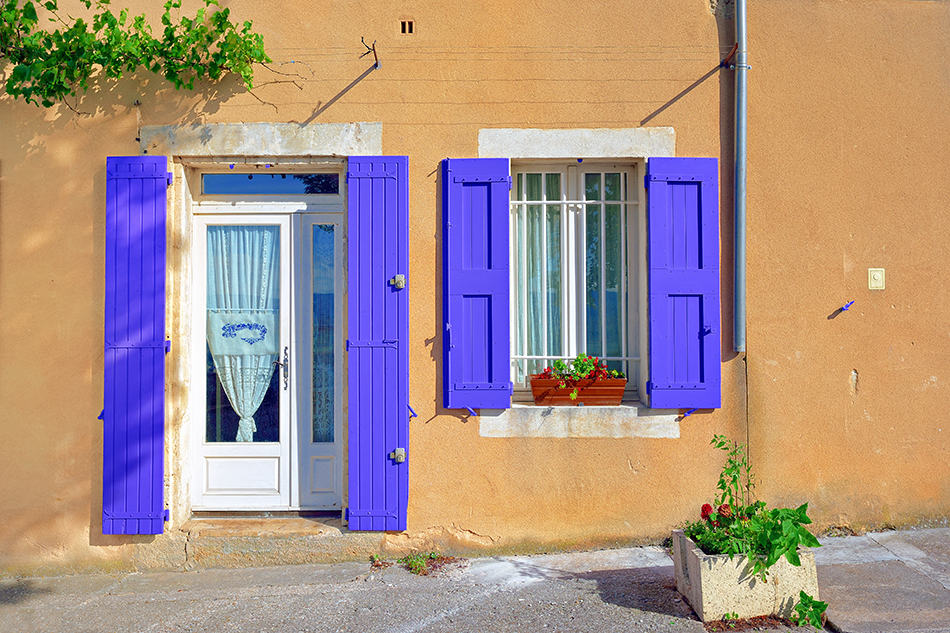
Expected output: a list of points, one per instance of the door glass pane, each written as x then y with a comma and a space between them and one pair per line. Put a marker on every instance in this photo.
323, 335
243, 334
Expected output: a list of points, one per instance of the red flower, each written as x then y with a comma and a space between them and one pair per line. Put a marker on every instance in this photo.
724, 510
706, 511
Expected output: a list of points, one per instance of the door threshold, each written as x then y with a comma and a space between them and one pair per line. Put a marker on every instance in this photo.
266, 514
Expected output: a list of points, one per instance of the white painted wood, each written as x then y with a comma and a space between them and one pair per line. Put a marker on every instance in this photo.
293, 473
238, 475
318, 467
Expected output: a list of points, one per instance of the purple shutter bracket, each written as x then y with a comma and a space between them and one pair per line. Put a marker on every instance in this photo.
378, 341
683, 268
475, 294
134, 362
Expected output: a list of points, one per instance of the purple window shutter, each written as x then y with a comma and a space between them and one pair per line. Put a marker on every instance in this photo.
683, 259
134, 382
378, 341
476, 346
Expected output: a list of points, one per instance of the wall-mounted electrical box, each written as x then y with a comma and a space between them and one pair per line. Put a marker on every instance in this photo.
875, 279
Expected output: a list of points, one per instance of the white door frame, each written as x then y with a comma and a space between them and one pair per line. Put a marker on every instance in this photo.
295, 219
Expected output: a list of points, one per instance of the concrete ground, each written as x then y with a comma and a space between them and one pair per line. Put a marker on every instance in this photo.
896, 581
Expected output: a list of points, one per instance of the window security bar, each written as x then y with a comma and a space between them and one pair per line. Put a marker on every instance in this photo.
554, 203
523, 357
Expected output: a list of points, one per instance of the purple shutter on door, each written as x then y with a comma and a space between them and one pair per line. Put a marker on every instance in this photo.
134, 381
475, 342
683, 259
378, 341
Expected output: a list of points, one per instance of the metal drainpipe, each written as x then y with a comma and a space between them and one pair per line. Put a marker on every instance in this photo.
739, 259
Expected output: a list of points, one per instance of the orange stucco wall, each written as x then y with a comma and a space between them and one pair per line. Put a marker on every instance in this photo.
848, 169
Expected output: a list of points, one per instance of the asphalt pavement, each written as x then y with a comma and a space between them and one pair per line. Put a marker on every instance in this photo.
883, 582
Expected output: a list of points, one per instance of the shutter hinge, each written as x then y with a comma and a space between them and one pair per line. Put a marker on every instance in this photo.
166, 515
509, 182
646, 181
649, 387
168, 346
168, 178
391, 343
102, 415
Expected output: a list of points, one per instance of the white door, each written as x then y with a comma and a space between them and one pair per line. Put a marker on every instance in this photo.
269, 306
242, 346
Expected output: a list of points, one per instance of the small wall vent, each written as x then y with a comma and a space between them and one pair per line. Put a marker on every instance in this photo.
406, 27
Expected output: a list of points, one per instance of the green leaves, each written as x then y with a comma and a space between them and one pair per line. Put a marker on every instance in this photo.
50, 65
808, 610
749, 529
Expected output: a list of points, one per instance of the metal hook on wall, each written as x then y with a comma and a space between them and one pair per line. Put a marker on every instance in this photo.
370, 49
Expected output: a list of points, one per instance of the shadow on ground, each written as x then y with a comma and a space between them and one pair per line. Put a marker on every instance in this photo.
20, 591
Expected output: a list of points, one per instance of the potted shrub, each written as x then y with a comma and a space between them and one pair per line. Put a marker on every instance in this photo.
582, 381
741, 559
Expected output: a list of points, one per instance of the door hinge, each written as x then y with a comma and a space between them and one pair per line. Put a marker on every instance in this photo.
168, 179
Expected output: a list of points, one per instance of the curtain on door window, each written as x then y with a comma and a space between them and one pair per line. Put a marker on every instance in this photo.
243, 315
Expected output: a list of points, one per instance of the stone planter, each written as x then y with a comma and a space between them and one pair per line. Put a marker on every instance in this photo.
717, 585
603, 392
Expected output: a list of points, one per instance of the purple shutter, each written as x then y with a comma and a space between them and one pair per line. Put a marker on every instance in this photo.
683, 259
134, 382
378, 341
475, 343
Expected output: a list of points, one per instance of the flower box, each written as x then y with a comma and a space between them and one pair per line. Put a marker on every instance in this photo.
718, 585
600, 392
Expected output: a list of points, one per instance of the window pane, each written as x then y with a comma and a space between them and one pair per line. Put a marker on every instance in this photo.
268, 183
323, 313
243, 334
612, 187
591, 186
535, 320
613, 291
592, 265
518, 247
553, 192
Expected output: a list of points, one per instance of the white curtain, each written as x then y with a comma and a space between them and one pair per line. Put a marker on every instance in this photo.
243, 315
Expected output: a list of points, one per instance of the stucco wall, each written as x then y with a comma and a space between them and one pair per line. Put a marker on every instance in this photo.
848, 170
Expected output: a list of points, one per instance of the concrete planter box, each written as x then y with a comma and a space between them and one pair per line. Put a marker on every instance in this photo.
717, 585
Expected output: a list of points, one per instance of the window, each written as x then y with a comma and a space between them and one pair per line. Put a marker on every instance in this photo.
270, 183
573, 232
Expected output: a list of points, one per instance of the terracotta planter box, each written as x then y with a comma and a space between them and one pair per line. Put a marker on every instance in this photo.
717, 585
603, 392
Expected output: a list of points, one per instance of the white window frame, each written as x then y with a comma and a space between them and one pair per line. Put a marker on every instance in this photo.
573, 277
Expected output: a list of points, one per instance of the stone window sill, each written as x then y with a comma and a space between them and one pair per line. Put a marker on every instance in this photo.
629, 419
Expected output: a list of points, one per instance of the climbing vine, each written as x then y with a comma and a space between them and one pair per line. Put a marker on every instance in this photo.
45, 66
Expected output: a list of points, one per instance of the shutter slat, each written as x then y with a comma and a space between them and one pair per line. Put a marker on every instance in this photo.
683, 256
134, 333
476, 346
378, 327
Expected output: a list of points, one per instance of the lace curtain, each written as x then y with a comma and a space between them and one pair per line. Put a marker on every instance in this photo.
243, 315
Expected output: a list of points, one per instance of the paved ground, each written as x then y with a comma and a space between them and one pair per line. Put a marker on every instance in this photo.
896, 581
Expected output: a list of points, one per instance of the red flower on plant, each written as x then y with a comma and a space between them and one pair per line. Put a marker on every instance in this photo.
724, 510
706, 511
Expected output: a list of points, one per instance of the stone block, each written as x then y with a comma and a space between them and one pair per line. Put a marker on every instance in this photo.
718, 585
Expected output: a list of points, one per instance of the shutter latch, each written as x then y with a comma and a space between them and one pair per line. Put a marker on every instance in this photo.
398, 455
398, 282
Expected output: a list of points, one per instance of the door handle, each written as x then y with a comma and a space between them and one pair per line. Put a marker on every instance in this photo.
286, 366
